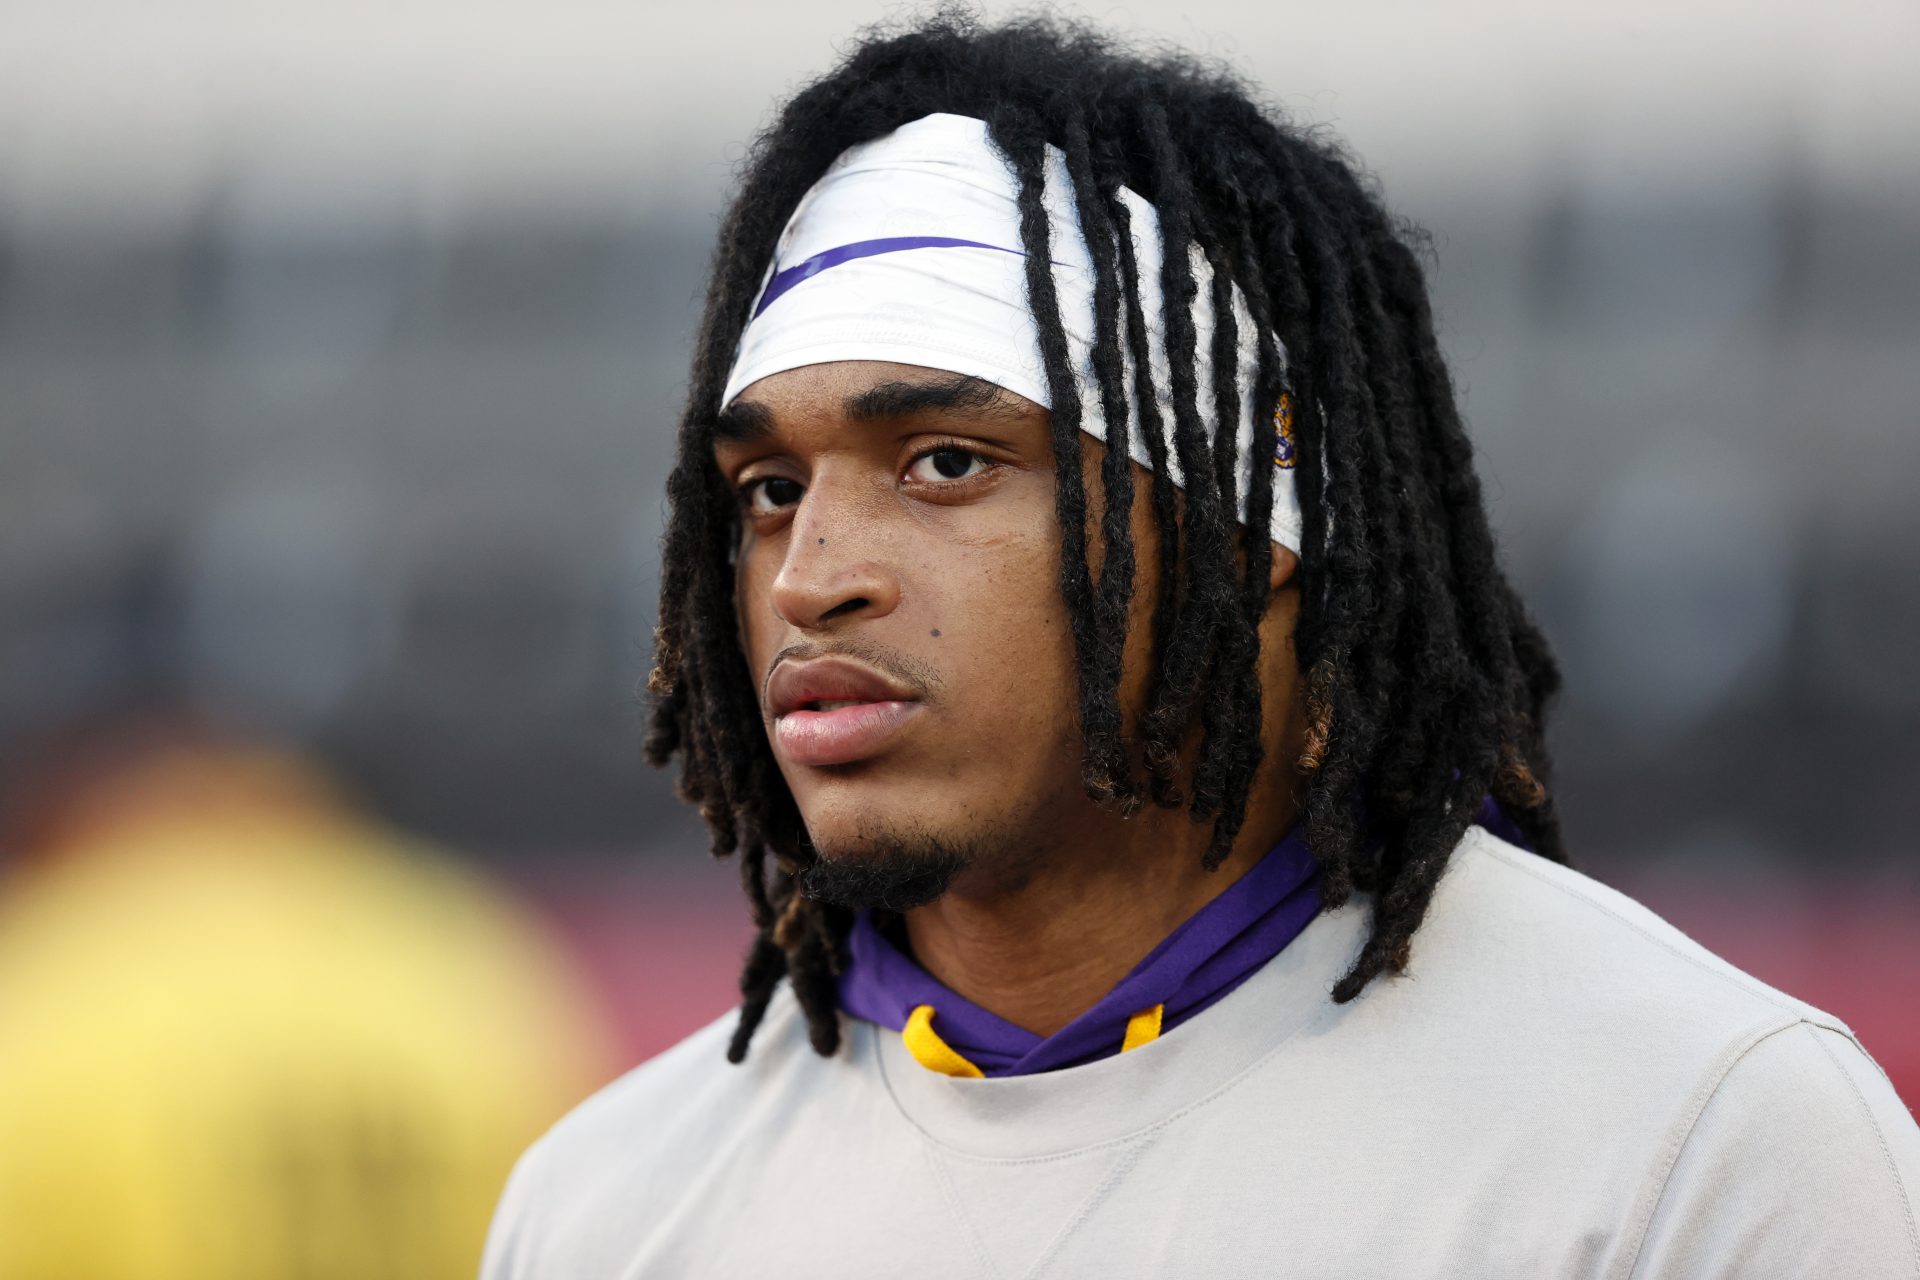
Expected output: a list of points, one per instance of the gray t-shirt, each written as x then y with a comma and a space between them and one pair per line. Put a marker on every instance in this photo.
1561, 1085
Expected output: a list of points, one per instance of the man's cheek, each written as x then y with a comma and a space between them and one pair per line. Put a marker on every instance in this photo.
754, 617
1019, 677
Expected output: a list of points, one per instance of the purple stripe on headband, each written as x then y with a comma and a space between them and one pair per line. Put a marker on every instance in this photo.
793, 275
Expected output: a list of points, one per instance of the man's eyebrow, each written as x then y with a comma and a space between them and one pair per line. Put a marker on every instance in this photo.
743, 422
902, 399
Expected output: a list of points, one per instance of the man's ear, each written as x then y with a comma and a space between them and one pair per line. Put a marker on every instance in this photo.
1282, 569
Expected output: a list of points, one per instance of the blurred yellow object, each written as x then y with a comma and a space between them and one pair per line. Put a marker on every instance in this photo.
258, 1039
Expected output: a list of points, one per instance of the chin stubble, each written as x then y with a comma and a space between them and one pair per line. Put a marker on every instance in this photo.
887, 873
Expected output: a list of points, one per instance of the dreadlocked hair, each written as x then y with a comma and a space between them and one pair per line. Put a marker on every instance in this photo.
1425, 682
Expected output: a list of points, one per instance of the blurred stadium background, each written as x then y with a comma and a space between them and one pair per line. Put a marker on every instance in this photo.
341, 347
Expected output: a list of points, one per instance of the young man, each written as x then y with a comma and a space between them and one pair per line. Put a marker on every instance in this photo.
1081, 618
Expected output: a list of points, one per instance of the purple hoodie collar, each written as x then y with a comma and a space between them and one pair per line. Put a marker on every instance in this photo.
1219, 947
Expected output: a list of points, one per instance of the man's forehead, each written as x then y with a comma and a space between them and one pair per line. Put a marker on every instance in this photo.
865, 391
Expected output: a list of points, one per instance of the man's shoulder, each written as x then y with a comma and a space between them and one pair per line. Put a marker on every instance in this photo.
1785, 1140
1548, 942
1547, 1012
1581, 1005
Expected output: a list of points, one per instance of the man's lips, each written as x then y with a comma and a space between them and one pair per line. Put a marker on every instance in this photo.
841, 737
833, 710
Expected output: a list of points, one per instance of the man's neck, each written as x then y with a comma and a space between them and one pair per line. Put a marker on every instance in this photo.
1043, 949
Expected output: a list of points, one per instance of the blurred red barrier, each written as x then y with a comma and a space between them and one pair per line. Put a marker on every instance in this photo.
662, 947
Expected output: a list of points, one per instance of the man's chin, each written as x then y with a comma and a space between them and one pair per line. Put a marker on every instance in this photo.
886, 872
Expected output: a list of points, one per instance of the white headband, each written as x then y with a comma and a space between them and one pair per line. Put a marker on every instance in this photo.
908, 249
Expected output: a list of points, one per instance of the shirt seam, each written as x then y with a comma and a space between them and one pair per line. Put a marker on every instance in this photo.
1703, 1098
1880, 1139
1122, 1166
987, 1265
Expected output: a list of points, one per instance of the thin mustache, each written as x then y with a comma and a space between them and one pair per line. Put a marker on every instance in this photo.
908, 670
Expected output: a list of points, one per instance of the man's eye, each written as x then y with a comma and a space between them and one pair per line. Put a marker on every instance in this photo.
770, 493
939, 465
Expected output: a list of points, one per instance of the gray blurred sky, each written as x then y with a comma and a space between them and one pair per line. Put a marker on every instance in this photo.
129, 108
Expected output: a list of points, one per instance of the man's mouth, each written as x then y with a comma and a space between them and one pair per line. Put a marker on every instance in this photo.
834, 710
840, 732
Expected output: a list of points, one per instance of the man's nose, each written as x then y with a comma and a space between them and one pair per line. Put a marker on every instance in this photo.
835, 565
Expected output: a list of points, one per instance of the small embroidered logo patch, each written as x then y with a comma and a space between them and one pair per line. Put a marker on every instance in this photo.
1283, 428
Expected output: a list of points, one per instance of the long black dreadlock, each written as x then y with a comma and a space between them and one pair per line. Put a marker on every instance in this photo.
1425, 682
